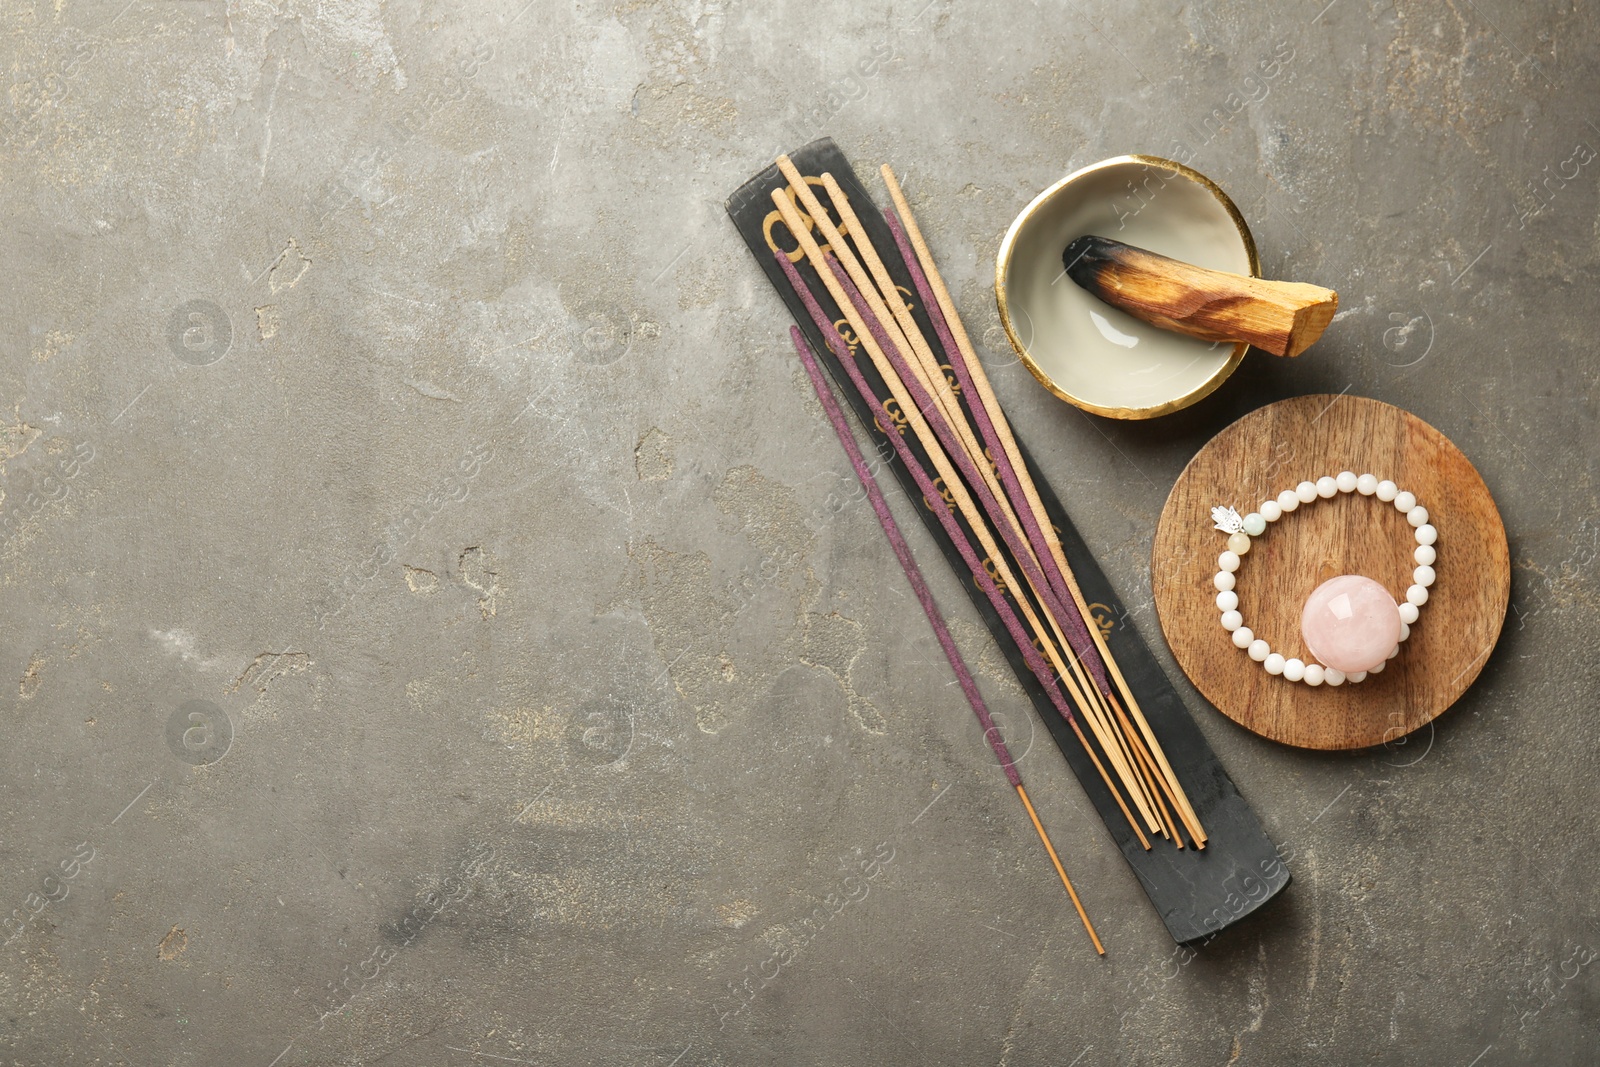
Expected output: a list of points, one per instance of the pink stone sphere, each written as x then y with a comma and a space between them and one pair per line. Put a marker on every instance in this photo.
1350, 623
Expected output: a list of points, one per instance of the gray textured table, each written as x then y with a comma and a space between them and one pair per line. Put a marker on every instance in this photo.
436, 636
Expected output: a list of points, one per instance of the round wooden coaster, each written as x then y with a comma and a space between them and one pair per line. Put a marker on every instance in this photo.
1273, 449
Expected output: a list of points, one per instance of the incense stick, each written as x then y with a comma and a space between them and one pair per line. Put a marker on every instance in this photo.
908, 563
980, 412
1023, 793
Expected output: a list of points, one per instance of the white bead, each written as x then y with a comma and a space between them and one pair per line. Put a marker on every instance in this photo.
1274, 663
1294, 670
1227, 601
1356, 676
1287, 501
1405, 632
1259, 650
1314, 674
1223, 581
1426, 534
1417, 515
1404, 502
1409, 613
1378, 669
1423, 576
1346, 481
1333, 676
1393, 652
1425, 555
1232, 620
1326, 487
1239, 543
1228, 561
1387, 490
1242, 637
1270, 510
1306, 492
1367, 484
1418, 595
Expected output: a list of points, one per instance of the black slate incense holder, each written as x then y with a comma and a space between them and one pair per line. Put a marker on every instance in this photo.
1196, 892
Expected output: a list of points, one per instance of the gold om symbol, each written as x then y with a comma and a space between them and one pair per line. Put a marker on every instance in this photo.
846, 334
891, 407
1101, 614
994, 576
774, 218
944, 494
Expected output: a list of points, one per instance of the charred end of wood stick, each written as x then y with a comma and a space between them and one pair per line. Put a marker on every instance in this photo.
1283, 318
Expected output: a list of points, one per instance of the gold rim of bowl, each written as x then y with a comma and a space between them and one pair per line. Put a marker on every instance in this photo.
1003, 267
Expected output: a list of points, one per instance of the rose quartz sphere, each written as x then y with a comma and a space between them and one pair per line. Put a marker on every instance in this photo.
1350, 623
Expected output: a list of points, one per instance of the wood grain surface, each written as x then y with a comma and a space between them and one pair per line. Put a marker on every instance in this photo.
1273, 449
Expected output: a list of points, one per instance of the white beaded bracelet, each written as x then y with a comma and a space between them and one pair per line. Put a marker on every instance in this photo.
1350, 622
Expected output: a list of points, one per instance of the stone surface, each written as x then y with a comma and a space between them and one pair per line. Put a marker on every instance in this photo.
432, 598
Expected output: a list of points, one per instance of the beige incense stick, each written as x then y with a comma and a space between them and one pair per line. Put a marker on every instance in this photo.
986, 396
797, 226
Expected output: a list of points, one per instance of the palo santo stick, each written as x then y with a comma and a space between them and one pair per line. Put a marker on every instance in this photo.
1008, 443
1283, 318
797, 227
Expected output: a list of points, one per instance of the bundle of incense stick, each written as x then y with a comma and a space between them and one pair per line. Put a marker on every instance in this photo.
990, 491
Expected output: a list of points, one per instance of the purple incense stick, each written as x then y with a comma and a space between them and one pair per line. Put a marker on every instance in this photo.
902, 552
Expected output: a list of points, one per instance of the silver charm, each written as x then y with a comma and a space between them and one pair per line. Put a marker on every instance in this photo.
1228, 520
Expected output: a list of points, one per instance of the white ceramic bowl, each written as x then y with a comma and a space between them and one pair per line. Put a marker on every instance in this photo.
1085, 351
